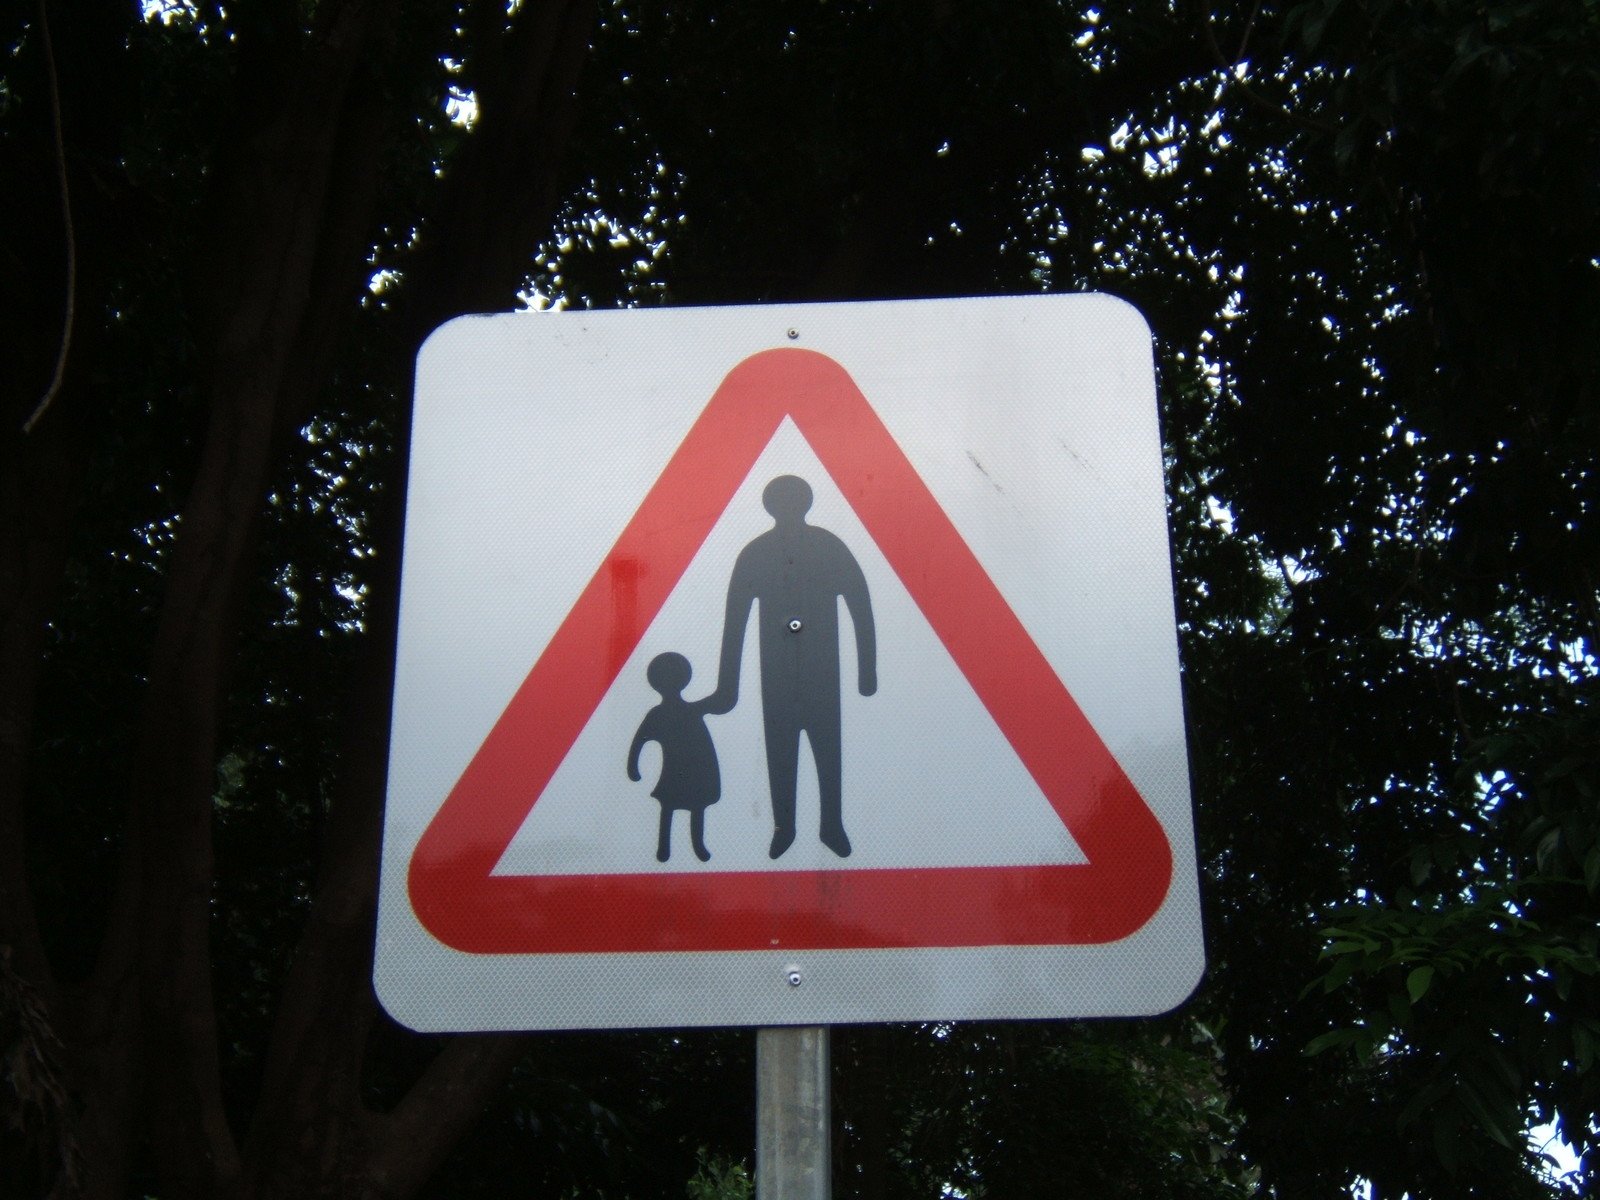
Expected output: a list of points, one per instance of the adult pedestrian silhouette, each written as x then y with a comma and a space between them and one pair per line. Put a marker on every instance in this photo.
795, 574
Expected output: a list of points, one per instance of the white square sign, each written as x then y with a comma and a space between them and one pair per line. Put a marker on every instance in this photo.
787, 665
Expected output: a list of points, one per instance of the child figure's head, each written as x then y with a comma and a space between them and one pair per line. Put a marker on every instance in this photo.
669, 673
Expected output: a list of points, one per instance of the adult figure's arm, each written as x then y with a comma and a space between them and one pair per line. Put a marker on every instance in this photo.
853, 587
741, 598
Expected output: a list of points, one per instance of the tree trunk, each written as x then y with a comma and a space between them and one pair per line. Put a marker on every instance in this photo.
500, 198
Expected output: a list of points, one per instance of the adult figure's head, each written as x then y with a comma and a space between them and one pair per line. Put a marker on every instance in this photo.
788, 499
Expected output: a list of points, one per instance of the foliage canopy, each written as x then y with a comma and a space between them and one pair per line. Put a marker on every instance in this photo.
1367, 234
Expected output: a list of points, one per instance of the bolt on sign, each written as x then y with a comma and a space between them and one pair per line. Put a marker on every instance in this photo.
787, 665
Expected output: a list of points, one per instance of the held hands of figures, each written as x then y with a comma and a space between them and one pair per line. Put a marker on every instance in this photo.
720, 701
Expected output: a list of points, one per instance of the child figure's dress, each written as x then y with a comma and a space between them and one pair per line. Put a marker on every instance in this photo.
689, 775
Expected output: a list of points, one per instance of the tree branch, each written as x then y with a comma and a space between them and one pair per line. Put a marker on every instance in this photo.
66, 218
500, 197
276, 297
438, 1109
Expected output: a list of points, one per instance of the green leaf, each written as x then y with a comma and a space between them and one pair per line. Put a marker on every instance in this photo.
1583, 1046
1487, 1120
1421, 866
1549, 844
1399, 1010
1447, 1145
1418, 982
1328, 1041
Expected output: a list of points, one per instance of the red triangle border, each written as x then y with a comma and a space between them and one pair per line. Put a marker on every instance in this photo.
461, 902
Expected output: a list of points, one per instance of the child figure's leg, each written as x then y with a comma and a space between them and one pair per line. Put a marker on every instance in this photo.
664, 838
697, 832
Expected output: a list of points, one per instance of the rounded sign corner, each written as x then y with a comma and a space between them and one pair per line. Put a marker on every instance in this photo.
1123, 313
398, 998
446, 339
1184, 983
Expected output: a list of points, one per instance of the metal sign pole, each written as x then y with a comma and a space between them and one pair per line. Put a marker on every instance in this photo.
793, 1114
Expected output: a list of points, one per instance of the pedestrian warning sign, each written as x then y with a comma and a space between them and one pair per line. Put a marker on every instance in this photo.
873, 686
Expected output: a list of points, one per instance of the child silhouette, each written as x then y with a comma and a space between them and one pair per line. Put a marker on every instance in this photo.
689, 776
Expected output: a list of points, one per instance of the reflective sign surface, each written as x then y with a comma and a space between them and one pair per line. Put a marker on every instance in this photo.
787, 665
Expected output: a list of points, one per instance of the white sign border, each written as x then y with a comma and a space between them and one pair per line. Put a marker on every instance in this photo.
653, 371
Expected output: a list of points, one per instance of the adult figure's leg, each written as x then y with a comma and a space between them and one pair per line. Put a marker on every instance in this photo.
823, 734
781, 724
783, 767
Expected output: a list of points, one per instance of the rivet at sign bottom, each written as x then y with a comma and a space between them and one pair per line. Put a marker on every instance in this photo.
792, 976
794, 625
